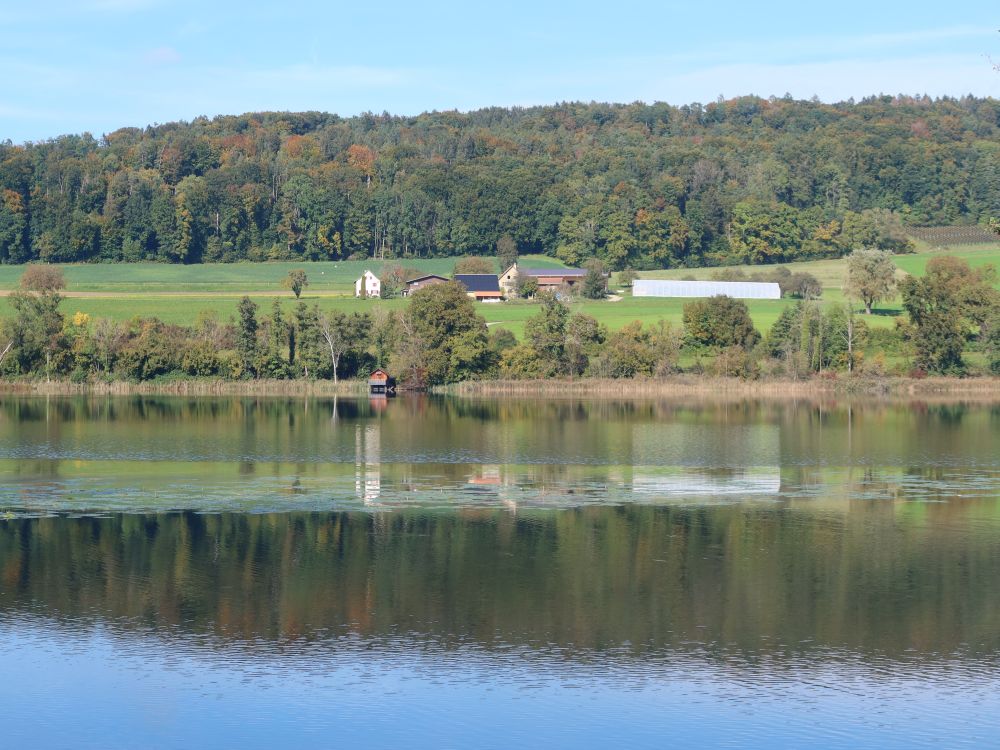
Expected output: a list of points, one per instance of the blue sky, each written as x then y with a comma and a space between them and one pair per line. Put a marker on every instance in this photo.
96, 65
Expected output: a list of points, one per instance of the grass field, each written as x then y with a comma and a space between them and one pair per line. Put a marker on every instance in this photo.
833, 273
231, 277
183, 310
177, 294
645, 309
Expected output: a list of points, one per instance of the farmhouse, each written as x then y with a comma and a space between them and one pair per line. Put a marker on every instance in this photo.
734, 289
368, 285
482, 287
549, 279
421, 281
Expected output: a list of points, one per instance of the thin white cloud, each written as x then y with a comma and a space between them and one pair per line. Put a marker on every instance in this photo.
121, 6
31, 112
807, 49
837, 80
325, 76
162, 56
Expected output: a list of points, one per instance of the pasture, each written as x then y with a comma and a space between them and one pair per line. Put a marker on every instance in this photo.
233, 278
833, 273
178, 294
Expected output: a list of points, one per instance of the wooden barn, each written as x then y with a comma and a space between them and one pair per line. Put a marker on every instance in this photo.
381, 384
420, 282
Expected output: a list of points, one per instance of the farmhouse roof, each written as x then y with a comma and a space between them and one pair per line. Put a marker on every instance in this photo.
553, 272
425, 277
479, 282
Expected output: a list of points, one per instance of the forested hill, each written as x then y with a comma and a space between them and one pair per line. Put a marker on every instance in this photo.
648, 186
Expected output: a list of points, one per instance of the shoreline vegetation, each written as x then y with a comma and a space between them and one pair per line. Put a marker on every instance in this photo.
693, 386
439, 338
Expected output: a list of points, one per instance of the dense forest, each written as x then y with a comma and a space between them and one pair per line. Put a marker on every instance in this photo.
646, 186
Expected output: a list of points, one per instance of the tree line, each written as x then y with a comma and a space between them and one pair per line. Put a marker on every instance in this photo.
642, 186
440, 337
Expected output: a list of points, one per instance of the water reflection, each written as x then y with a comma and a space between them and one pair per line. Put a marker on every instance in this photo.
734, 583
261, 454
498, 574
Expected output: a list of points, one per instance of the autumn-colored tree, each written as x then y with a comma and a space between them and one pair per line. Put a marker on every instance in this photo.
296, 281
44, 279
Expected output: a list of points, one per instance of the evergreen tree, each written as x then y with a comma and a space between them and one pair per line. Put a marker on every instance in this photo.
246, 338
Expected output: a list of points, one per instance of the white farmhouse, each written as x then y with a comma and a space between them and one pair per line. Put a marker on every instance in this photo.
368, 285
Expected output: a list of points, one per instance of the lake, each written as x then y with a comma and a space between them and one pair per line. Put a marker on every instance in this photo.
435, 572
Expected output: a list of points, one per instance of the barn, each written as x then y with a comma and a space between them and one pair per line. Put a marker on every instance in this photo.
734, 289
420, 282
482, 287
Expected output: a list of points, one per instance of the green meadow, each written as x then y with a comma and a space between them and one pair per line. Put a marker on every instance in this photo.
616, 315
233, 278
184, 309
177, 294
833, 273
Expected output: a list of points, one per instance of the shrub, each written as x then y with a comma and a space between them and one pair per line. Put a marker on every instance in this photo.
719, 322
736, 362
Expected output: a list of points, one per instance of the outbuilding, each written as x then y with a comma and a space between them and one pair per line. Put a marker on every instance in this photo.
482, 287
421, 281
381, 384
734, 289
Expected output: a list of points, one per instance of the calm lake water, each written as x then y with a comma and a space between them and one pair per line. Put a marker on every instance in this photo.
444, 573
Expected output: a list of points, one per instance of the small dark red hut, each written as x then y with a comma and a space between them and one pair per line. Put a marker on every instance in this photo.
380, 383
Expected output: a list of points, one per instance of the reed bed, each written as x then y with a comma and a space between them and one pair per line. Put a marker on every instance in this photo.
679, 386
714, 387
192, 387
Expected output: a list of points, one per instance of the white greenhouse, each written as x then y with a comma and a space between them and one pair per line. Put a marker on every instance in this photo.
734, 289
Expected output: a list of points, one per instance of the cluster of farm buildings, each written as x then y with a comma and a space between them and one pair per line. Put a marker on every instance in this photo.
483, 287
488, 287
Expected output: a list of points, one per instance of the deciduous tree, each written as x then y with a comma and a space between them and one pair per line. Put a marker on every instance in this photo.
296, 281
719, 322
949, 303
871, 276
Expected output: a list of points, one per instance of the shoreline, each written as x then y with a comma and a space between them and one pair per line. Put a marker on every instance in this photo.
187, 387
678, 386
692, 386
